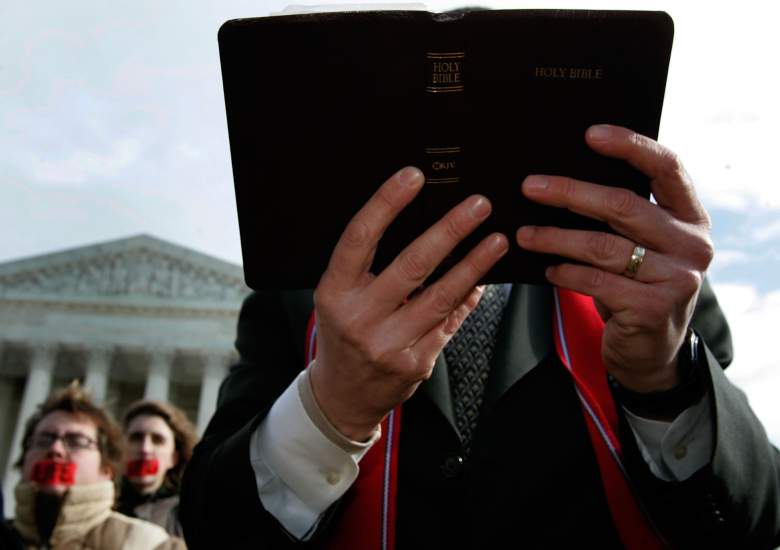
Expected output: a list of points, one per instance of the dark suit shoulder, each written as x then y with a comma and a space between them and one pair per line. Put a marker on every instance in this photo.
219, 487
711, 325
266, 314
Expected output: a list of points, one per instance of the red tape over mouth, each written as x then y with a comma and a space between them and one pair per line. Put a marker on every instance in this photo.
52, 472
142, 467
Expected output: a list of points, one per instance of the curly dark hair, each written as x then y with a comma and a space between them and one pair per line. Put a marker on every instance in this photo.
76, 400
185, 436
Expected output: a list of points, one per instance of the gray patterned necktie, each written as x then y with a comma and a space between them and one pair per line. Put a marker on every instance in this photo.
468, 356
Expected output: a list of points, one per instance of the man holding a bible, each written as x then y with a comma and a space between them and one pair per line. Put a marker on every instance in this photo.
594, 410
386, 397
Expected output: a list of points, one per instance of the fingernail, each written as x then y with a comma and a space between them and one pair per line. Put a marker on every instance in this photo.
536, 183
480, 208
498, 244
600, 132
410, 176
526, 233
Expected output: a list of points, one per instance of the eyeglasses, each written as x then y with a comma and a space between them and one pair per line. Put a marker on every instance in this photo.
73, 441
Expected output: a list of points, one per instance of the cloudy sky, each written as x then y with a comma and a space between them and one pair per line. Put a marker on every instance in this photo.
112, 124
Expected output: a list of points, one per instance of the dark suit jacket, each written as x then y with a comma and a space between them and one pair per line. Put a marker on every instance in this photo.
531, 478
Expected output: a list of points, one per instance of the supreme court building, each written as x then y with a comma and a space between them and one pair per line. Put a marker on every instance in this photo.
133, 318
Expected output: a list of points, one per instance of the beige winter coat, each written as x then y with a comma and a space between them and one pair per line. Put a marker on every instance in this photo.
86, 522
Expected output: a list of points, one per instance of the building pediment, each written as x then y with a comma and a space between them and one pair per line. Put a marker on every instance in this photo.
140, 267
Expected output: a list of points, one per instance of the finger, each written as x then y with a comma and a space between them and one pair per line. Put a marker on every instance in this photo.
631, 302
352, 256
646, 322
418, 260
670, 183
625, 211
437, 302
618, 294
603, 250
430, 345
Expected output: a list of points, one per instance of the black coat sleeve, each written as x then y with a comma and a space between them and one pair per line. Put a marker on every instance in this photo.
220, 506
734, 501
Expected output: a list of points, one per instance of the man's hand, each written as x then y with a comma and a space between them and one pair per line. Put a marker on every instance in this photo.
374, 343
646, 316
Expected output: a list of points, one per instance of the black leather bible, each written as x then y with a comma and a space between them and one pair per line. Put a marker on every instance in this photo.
322, 108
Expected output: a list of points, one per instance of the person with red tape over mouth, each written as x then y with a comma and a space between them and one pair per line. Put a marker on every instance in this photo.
71, 455
159, 440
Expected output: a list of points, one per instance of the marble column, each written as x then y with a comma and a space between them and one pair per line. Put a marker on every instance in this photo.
7, 413
158, 379
213, 373
98, 364
36, 390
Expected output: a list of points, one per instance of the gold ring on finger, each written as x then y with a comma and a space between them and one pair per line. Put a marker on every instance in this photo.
637, 257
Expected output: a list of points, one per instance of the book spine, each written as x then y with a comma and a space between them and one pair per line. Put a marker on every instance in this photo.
446, 115
444, 96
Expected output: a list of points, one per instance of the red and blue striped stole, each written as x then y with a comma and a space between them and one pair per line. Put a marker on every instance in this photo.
368, 511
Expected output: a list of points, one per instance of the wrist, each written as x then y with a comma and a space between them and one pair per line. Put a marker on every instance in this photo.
667, 404
318, 418
346, 422
358, 433
660, 379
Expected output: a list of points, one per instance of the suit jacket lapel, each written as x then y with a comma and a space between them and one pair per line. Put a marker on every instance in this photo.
437, 389
523, 341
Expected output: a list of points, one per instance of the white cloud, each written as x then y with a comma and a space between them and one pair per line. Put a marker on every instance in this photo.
728, 173
767, 232
719, 114
83, 166
189, 151
729, 257
754, 321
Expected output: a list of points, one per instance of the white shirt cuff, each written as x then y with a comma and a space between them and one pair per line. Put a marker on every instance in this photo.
299, 471
674, 451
